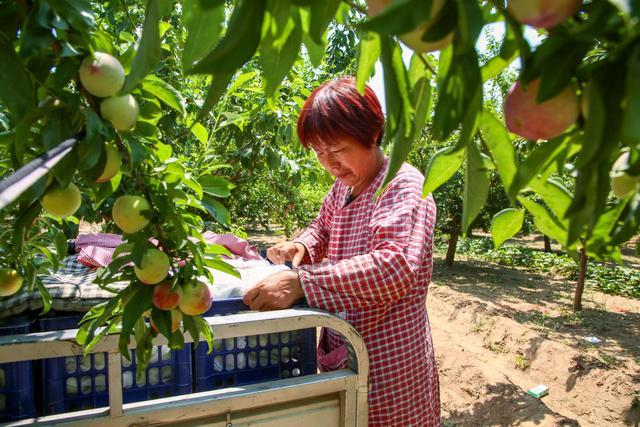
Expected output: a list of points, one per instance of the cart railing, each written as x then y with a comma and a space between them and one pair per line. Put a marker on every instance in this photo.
350, 384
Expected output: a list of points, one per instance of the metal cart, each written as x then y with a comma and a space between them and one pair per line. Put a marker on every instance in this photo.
336, 398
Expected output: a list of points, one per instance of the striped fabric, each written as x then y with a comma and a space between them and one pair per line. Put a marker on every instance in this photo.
71, 288
371, 262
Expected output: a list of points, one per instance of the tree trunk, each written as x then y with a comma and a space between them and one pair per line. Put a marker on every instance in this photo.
577, 299
547, 244
451, 250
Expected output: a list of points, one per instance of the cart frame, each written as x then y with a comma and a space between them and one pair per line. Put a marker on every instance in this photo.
351, 384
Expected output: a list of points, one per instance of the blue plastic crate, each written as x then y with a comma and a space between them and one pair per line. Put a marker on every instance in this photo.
255, 358
74, 383
16, 379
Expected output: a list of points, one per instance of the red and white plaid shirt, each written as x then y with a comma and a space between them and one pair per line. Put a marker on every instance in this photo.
376, 273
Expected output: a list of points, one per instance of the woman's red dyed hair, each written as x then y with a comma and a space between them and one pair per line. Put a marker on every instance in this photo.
336, 111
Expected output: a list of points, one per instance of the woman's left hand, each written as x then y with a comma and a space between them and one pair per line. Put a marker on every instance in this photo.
278, 291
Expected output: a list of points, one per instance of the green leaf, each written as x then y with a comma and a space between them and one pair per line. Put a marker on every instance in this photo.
628, 226
239, 42
165, 93
217, 210
78, 13
90, 149
419, 80
399, 17
443, 23
397, 85
200, 132
16, 88
556, 61
601, 233
544, 221
321, 14
203, 30
205, 330
60, 241
162, 321
496, 65
456, 94
476, 186
281, 44
314, 49
139, 302
630, 132
192, 328
555, 195
368, 54
217, 88
45, 295
496, 138
505, 225
215, 185
470, 23
148, 53
193, 185
444, 163
541, 157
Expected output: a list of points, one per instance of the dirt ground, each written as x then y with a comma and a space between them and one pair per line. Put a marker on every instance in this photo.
500, 331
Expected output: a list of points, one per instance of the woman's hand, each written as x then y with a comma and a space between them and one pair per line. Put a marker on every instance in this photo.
287, 251
278, 291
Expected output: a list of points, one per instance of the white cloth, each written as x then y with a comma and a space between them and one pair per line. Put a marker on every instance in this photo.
251, 272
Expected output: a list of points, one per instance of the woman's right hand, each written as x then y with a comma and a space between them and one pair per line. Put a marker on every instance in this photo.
287, 251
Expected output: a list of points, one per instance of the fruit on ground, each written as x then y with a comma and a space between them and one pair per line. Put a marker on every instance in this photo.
413, 39
176, 320
154, 267
621, 182
196, 298
112, 165
543, 13
127, 213
531, 120
62, 202
10, 282
120, 111
166, 298
101, 75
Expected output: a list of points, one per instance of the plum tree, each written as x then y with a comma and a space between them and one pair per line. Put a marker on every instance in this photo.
166, 298
542, 13
120, 111
532, 120
62, 202
127, 213
196, 298
112, 165
413, 39
154, 267
621, 182
10, 282
101, 74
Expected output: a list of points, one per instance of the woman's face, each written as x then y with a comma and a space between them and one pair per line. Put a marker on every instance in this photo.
350, 162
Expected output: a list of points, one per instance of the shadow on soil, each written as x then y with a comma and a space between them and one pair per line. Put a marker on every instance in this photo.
506, 405
550, 301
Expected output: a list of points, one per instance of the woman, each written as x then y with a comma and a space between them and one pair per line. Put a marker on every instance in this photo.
367, 258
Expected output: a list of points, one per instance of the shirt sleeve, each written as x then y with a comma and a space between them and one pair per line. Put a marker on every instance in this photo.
402, 226
316, 236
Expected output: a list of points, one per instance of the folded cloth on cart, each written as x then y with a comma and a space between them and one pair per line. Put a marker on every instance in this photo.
251, 272
71, 288
96, 250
